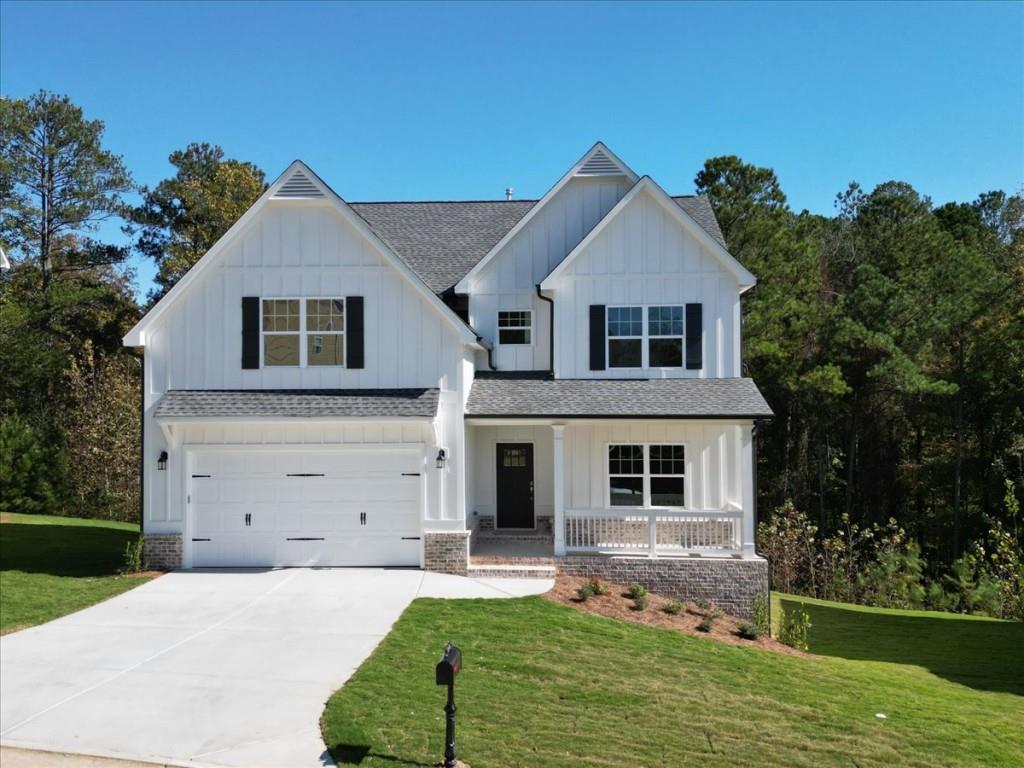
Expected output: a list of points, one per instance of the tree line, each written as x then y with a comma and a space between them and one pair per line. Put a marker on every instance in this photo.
888, 337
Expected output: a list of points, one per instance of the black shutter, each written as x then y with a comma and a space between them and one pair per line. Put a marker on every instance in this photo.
597, 337
354, 332
694, 336
250, 332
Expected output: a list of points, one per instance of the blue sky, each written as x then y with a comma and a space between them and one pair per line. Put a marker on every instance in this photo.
458, 101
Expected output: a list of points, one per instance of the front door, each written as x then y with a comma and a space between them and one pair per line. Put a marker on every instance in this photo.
515, 485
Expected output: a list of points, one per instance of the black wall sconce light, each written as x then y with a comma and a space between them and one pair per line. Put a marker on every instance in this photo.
441, 458
161, 462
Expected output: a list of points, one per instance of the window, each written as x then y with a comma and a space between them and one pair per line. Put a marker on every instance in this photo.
320, 321
645, 337
646, 475
515, 326
625, 337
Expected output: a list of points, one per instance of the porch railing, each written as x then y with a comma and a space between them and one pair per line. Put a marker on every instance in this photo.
653, 532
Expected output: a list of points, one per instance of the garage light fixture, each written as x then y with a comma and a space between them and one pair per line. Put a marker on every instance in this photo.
441, 456
161, 462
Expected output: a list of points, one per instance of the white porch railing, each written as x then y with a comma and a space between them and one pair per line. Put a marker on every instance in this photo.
653, 532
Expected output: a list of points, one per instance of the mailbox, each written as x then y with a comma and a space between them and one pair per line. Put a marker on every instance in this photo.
449, 665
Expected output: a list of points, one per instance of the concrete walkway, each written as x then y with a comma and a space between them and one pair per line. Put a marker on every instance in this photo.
214, 668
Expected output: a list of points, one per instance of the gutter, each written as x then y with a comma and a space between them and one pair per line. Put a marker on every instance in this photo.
551, 330
490, 353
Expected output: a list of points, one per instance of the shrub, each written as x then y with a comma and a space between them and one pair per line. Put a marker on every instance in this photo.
793, 626
597, 586
761, 620
584, 592
705, 624
673, 607
749, 631
636, 590
134, 561
640, 602
712, 611
703, 604
26, 467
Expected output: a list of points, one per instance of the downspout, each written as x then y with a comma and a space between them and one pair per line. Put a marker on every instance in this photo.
142, 442
753, 501
551, 330
490, 354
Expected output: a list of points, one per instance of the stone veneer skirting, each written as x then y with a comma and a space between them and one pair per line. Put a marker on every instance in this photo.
162, 551
732, 584
446, 551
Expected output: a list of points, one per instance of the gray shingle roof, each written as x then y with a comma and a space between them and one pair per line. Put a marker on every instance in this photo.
298, 404
442, 241
530, 395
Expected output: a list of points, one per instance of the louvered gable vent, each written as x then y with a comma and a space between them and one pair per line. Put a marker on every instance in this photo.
599, 164
299, 187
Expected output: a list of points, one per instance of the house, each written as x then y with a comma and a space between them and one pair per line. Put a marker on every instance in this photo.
389, 384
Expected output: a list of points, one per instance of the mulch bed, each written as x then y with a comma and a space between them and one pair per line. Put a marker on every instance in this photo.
617, 604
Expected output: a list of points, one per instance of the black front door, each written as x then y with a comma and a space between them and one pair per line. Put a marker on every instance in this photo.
515, 485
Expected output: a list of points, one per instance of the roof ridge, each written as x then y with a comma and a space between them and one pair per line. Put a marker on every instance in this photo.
432, 202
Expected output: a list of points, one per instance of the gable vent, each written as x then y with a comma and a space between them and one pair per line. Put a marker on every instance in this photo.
599, 164
299, 186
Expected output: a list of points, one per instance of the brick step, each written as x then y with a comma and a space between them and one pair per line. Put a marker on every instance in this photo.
511, 572
490, 560
525, 536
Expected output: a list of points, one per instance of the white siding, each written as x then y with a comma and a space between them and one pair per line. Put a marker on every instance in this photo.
644, 256
712, 479
509, 281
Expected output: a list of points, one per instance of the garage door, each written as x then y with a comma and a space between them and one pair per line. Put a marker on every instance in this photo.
265, 508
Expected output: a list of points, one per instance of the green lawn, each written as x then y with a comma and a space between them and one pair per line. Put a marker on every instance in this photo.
50, 566
546, 685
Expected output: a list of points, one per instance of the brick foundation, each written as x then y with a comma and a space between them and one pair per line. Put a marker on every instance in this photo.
731, 583
162, 551
446, 551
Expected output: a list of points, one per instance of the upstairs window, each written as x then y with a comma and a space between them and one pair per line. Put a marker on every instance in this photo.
303, 332
515, 326
645, 337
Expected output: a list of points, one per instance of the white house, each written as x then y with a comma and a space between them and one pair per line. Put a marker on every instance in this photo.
340, 383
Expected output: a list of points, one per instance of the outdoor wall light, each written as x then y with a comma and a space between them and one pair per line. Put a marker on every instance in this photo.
161, 463
441, 456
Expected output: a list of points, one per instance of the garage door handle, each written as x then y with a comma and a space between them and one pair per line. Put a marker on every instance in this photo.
362, 518
248, 518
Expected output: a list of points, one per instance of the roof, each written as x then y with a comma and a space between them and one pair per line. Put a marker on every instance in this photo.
505, 395
442, 241
297, 404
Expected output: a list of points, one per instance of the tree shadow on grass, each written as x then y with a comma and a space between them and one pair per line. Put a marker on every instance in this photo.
63, 550
984, 655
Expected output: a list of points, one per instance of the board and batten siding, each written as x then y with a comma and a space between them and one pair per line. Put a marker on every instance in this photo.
509, 281
712, 459
643, 256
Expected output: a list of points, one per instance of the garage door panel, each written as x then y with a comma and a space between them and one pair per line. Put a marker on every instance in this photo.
306, 508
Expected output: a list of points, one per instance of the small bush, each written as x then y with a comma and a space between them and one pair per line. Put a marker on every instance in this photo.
584, 592
637, 590
761, 621
673, 607
749, 631
133, 556
640, 602
713, 611
705, 624
793, 626
703, 604
598, 587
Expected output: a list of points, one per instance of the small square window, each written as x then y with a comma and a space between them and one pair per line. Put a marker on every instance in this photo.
515, 327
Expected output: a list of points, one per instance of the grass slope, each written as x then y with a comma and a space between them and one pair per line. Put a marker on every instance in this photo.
50, 566
545, 685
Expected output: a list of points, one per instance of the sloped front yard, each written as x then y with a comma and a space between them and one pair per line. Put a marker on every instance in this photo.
549, 685
51, 566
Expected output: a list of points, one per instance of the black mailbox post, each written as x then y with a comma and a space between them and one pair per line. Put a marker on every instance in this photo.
444, 674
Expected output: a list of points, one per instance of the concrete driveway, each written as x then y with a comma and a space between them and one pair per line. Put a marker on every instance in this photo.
225, 668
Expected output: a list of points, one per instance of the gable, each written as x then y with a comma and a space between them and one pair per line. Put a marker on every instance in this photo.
297, 186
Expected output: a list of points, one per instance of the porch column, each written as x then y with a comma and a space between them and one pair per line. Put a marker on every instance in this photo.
748, 490
558, 467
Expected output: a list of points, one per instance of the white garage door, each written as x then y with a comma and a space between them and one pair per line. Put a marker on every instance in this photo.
266, 508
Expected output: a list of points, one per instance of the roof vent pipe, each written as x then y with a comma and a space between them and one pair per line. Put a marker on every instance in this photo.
508, 193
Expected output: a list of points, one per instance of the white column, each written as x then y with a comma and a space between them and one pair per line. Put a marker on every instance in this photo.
747, 487
558, 467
